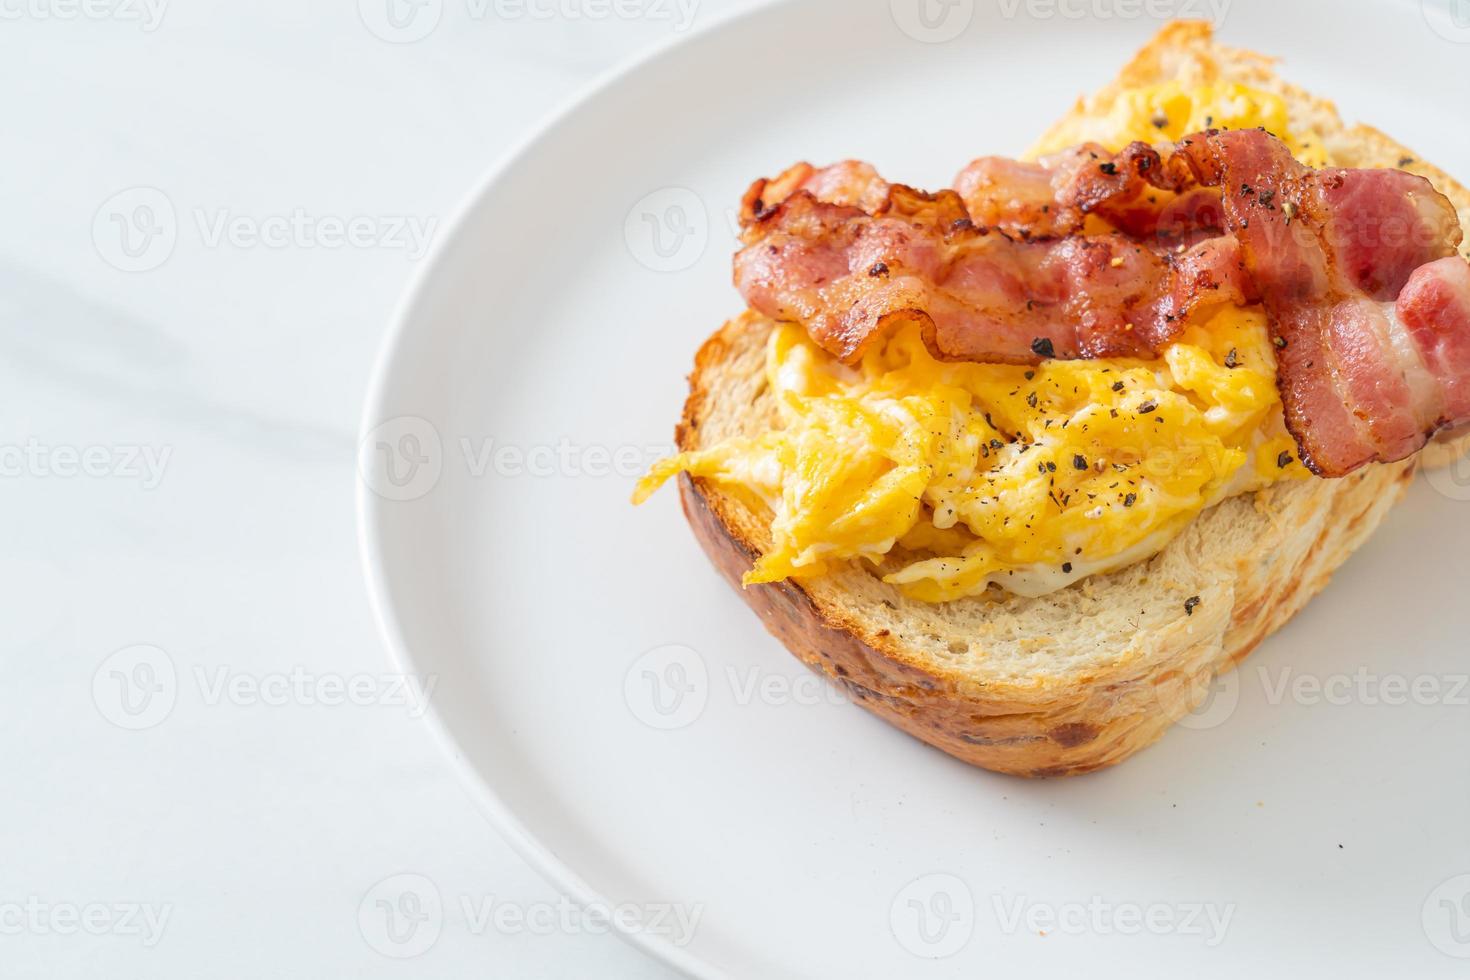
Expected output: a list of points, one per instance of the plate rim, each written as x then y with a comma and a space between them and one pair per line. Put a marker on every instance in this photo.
368, 505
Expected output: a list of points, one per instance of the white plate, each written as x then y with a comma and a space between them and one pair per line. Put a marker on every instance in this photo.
814, 840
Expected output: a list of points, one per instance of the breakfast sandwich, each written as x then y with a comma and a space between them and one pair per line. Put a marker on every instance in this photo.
1023, 463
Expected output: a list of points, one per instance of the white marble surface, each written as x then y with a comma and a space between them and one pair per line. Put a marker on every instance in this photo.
177, 463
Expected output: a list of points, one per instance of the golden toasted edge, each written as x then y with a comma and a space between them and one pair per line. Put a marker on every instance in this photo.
1064, 724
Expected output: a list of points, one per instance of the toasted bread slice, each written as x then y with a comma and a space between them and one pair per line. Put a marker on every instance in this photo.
1187, 51
1080, 679
1067, 683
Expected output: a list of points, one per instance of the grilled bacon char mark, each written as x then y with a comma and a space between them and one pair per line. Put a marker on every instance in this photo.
1088, 254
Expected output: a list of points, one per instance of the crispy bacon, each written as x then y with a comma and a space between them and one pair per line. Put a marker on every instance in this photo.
1332, 254
849, 274
1131, 191
1089, 254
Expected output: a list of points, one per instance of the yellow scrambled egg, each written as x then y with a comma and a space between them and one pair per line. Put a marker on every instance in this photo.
953, 477
1172, 111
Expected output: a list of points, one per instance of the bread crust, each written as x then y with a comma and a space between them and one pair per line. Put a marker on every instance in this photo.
1056, 724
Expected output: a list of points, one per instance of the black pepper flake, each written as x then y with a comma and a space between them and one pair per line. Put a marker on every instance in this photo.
1051, 467
1067, 567
1079, 461
1117, 386
1108, 168
1189, 605
878, 269
1130, 500
1160, 122
1280, 342
1029, 375
1147, 407
1232, 359
1043, 347
997, 444
1031, 399
1283, 461
1403, 162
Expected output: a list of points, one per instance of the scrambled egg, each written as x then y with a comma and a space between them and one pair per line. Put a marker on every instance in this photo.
953, 477
1171, 111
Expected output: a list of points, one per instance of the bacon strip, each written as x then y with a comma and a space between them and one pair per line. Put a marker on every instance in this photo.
1331, 253
1088, 254
1133, 191
849, 276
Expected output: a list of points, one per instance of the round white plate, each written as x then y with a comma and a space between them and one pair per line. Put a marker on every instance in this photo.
629, 724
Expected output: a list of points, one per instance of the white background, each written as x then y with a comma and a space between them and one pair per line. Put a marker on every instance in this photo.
258, 828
